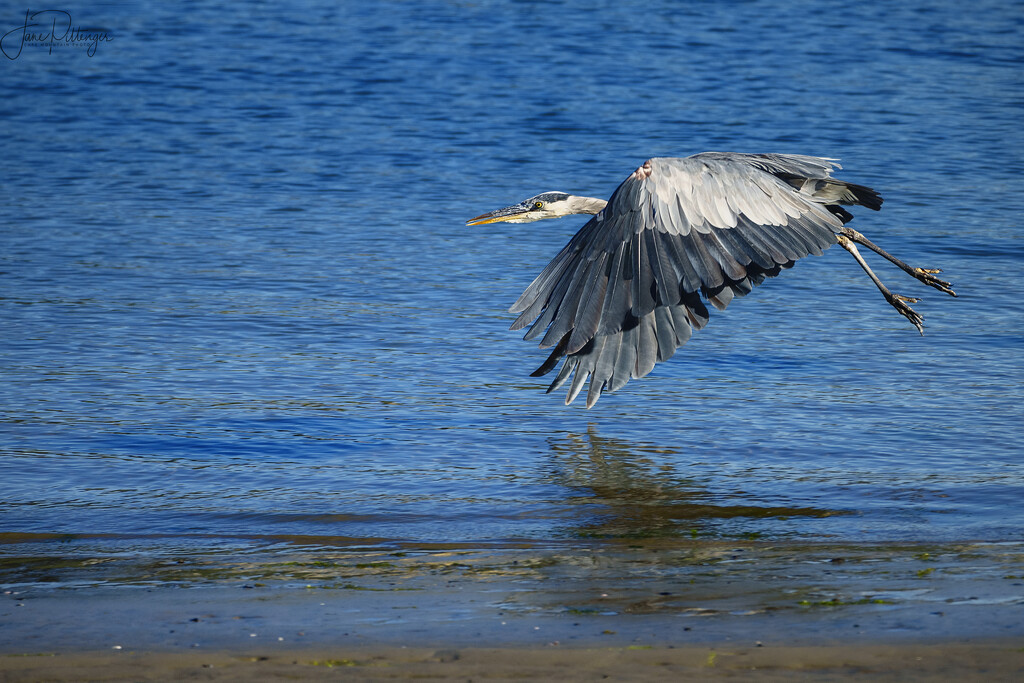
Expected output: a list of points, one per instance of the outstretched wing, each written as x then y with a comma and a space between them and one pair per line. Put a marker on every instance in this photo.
626, 291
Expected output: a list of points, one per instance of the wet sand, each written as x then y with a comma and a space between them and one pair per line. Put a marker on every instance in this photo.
944, 662
742, 611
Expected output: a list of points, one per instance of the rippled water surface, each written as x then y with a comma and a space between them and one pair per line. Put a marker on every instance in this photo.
240, 305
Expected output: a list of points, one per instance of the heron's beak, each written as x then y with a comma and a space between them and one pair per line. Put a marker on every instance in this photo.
513, 214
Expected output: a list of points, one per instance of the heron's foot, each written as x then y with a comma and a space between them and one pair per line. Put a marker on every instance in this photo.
927, 276
901, 304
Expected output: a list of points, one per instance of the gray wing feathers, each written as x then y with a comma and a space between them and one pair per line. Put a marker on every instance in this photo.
792, 164
625, 292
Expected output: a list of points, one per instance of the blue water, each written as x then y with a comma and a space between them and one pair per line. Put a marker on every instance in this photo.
241, 308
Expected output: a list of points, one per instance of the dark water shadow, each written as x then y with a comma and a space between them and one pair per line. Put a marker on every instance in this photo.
633, 493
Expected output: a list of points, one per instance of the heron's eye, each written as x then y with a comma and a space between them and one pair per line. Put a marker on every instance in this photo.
539, 205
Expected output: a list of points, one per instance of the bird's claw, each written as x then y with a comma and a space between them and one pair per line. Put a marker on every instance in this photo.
927, 276
900, 303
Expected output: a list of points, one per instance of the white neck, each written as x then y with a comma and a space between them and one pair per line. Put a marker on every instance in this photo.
589, 205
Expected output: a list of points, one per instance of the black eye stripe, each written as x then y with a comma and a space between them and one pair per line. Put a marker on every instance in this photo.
547, 198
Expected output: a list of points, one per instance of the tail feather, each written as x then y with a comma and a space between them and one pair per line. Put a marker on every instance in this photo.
860, 195
831, 192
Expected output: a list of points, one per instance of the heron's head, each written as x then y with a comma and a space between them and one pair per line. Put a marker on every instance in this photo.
544, 205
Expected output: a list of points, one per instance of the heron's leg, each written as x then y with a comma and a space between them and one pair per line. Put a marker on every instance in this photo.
896, 300
925, 275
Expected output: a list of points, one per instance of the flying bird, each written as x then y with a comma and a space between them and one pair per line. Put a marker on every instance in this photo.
629, 288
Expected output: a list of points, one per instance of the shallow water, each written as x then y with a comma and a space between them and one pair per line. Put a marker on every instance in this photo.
241, 308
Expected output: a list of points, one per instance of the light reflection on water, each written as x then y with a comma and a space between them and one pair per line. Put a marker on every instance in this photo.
241, 307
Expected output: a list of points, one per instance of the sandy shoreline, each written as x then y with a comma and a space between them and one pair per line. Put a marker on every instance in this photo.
644, 612
909, 662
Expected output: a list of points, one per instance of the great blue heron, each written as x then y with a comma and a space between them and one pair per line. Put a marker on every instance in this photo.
625, 292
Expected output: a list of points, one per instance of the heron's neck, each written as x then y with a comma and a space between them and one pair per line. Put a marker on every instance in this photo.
589, 205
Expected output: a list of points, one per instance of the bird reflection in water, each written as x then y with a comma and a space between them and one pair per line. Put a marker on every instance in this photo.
634, 494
